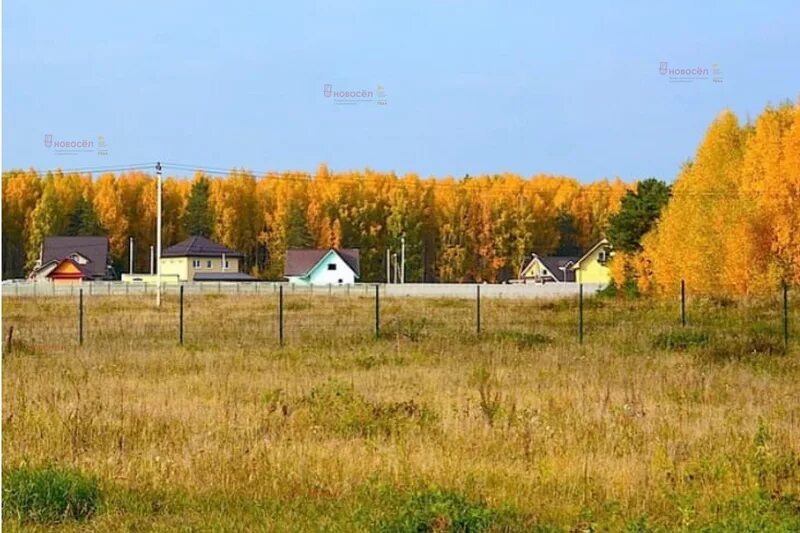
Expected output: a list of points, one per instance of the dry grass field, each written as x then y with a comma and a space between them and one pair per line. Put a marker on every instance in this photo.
646, 426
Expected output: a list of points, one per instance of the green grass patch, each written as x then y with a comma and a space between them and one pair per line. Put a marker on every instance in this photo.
48, 495
436, 510
338, 408
521, 339
681, 339
413, 329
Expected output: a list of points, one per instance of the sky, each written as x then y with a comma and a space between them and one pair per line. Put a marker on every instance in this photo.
437, 88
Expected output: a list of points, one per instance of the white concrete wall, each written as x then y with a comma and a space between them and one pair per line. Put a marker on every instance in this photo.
415, 290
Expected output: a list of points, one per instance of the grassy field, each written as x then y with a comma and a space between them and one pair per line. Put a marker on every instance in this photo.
646, 426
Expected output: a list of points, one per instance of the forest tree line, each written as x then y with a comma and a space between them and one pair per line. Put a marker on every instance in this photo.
469, 229
729, 223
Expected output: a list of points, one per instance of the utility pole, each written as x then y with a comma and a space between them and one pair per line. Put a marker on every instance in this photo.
388, 265
158, 238
403, 259
130, 256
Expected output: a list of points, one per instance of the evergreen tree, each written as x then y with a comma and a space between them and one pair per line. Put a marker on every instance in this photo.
297, 234
637, 215
83, 220
199, 219
568, 242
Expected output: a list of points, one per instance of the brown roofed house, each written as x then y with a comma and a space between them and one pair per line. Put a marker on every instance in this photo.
67, 259
325, 266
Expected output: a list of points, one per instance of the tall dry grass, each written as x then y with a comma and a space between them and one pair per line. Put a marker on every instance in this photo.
230, 431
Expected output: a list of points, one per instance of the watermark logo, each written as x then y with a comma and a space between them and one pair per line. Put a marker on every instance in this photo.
690, 74
76, 146
354, 96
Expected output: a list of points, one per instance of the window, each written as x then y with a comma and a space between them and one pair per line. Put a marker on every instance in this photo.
208, 263
195, 263
331, 266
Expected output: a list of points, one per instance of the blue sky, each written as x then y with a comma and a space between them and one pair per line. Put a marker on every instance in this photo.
469, 87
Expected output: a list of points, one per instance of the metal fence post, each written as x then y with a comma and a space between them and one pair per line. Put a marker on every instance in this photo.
280, 315
785, 317
180, 333
80, 316
377, 311
683, 302
580, 313
478, 309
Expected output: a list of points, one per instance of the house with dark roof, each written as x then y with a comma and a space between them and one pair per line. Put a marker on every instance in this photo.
332, 266
201, 259
67, 259
546, 269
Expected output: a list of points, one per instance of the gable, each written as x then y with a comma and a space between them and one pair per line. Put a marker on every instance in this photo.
301, 262
331, 259
598, 255
67, 269
90, 251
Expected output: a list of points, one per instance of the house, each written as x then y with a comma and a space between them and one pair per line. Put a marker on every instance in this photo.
544, 269
200, 259
322, 266
592, 267
73, 260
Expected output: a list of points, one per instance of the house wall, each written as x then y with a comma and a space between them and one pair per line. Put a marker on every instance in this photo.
320, 275
184, 269
536, 271
66, 274
591, 271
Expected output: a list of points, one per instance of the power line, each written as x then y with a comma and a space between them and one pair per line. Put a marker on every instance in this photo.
92, 170
489, 188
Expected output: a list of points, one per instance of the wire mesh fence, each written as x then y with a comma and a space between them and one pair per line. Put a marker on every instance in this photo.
275, 315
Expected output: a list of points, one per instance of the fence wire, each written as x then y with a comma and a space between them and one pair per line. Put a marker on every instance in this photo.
250, 317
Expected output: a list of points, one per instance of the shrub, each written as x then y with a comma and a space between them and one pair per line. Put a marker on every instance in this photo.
521, 339
412, 328
758, 340
48, 495
680, 339
491, 401
435, 510
338, 408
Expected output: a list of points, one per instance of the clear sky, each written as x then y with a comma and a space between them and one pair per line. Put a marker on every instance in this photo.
468, 87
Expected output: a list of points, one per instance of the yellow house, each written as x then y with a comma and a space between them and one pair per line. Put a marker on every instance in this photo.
200, 259
593, 266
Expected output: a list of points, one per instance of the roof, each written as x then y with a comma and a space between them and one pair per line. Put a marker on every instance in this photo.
300, 262
95, 249
558, 266
85, 270
602, 242
222, 276
198, 246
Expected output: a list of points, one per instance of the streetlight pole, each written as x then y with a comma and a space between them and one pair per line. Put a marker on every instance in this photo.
403, 259
158, 238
